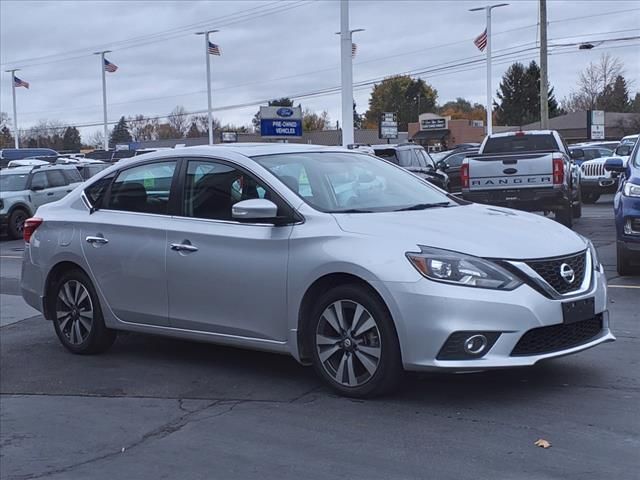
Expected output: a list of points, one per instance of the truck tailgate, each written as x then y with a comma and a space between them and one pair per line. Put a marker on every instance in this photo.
509, 171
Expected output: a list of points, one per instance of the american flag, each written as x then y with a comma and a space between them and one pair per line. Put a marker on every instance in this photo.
481, 41
354, 50
19, 83
109, 67
214, 49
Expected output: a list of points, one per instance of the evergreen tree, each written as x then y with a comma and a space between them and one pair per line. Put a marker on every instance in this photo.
519, 96
615, 96
635, 105
71, 139
6, 139
120, 133
193, 131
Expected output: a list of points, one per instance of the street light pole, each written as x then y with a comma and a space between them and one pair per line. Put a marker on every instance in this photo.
488, 9
206, 53
15, 114
105, 131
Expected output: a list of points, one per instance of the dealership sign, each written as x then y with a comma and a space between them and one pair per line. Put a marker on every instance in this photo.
595, 124
388, 125
433, 124
281, 122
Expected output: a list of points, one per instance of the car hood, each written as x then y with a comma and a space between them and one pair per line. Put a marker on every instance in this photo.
479, 230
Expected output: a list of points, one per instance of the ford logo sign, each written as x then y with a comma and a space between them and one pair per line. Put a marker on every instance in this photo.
284, 112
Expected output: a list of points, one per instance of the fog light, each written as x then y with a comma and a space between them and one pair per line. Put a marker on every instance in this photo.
475, 344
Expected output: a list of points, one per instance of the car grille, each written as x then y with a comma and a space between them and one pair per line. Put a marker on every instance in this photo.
558, 337
593, 169
549, 270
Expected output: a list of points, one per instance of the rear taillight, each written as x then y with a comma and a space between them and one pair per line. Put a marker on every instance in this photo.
558, 170
30, 226
464, 175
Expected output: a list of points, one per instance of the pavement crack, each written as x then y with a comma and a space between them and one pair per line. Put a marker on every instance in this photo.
161, 432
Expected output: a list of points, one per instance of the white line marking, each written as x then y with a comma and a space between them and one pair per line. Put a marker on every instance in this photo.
8, 256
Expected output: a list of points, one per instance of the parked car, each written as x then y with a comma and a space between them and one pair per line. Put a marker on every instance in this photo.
249, 245
88, 169
452, 164
626, 206
530, 171
24, 189
8, 154
27, 162
583, 154
596, 180
414, 158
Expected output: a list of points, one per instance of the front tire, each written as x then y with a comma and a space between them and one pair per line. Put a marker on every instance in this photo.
623, 260
353, 342
565, 216
77, 316
16, 223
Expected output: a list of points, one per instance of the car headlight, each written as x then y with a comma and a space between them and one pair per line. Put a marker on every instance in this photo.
460, 269
631, 190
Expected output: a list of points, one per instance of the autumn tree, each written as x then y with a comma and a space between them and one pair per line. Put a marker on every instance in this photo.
314, 121
142, 128
461, 108
404, 95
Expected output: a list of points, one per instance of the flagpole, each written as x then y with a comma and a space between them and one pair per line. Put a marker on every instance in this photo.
15, 114
105, 130
206, 54
488, 9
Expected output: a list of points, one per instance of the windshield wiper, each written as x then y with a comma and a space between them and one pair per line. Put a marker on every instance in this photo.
353, 210
424, 206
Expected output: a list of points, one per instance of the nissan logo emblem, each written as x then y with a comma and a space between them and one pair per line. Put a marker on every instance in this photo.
567, 273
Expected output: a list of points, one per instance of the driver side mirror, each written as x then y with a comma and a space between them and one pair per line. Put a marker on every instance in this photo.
614, 165
577, 153
443, 166
255, 210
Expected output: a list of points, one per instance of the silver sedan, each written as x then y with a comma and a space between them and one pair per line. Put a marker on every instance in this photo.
335, 257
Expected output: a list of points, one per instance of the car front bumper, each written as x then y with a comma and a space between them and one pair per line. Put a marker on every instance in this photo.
598, 184
528, 199
427, 313
627, 211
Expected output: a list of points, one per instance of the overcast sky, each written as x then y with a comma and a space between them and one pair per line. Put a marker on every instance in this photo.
274, 49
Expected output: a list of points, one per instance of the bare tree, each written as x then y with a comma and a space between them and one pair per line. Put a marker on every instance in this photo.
96, 139
592, 82
202, 122
179, 120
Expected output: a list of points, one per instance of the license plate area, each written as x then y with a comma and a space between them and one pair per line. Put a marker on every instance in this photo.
578, 310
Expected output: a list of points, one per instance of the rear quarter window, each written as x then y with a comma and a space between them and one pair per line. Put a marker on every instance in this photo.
520, 143
72, 175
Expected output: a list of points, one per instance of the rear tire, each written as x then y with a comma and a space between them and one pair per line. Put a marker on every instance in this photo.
565, 216
623, 260
16, 223
358, 356
77, 316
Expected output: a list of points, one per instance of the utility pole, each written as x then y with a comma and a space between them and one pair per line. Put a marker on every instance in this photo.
544, 79
488, 9
206, 53
105, 130
15, 114
346, 73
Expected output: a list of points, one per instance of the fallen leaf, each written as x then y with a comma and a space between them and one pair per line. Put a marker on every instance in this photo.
542, 443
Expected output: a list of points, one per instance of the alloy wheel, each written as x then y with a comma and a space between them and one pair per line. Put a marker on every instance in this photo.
348, 343
74, 312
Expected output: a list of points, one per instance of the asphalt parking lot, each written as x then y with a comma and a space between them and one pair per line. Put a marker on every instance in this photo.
154, 408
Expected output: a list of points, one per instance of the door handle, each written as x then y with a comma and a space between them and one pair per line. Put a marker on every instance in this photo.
183, 247
69, 191
97, 240
49, 194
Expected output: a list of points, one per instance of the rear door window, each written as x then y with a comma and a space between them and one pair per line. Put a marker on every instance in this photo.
72, 175
56, 178
39, 181
388, 154
143, 189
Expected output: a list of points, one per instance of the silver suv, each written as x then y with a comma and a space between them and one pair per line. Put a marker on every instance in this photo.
24, 189
338, 258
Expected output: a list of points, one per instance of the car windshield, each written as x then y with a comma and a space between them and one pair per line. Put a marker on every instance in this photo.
520, 143
13, 182
341, 182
